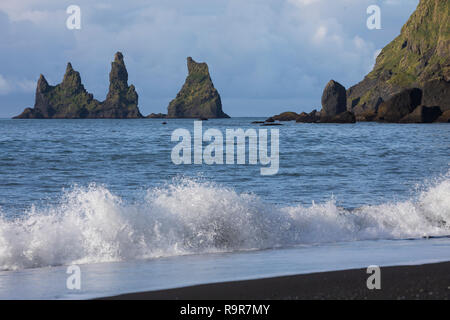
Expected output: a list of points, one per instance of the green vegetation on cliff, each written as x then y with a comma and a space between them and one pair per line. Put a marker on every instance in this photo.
419, 54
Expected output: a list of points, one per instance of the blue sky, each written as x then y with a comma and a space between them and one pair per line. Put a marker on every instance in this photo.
265, 57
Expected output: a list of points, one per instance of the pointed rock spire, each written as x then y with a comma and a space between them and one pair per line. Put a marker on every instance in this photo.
197, 98
72, 79
118, 77
121, 100
70, 100
42, 84
69, 67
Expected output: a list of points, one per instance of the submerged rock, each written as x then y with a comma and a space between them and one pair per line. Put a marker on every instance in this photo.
311, 117
197, 98
157, 116
70, 100
286, 116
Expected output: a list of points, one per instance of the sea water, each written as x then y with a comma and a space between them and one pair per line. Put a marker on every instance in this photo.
105, 195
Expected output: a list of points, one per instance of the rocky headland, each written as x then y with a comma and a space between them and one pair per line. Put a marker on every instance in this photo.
413, 70
410, 82
70, 100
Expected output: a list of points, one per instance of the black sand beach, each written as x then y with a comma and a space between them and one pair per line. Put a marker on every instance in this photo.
429, 281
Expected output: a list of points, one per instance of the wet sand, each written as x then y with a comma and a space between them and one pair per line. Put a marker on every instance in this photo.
429, 281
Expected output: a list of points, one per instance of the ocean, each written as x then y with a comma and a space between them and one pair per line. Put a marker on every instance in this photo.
105, 195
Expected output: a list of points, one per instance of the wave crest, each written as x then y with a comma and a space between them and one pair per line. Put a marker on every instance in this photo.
91, 224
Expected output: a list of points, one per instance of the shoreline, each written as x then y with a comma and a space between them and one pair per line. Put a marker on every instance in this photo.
424, 282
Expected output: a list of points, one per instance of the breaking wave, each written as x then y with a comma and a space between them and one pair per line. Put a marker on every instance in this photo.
91, 224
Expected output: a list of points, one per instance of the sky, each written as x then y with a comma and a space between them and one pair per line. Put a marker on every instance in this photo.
264, 56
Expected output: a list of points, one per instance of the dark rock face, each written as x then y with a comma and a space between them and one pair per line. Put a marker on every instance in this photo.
122, 100
437, 93
399, 105
344, 117
334, 108
422, 114
197, 98
334, 99
285, 116
445, 117
311, 117
418, 55
70, 100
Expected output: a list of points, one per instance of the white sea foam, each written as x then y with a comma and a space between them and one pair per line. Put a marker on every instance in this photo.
92, 224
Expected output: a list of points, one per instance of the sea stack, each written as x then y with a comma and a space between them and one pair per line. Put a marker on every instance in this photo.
334, 99
70, 100
197, 98
334, 104
122, 100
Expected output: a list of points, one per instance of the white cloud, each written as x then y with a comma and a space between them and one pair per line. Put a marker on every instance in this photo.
320, 34
25, 10
8, 86
4, 85
26, 85
359, 42
303, 2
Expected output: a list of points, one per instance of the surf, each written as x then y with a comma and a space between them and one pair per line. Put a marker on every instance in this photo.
188, 216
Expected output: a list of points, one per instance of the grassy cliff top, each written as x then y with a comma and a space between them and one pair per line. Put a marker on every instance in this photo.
421, 51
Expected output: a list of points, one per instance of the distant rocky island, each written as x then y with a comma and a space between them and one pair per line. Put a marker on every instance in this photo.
70, 100
410, 82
